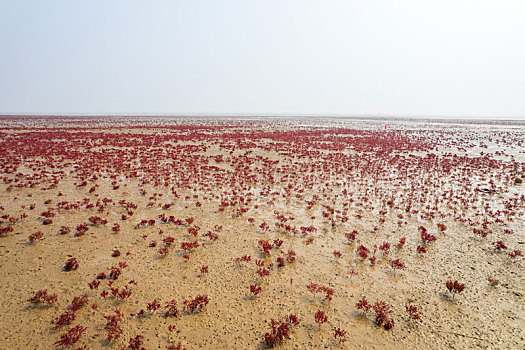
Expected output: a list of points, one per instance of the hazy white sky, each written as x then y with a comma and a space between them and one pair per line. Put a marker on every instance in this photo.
434, 58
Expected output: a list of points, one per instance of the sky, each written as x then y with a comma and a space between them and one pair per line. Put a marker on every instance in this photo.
446, 58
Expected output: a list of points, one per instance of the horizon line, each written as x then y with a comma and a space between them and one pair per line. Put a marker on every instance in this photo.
272, 115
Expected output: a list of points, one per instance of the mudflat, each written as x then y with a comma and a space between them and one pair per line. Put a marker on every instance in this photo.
245, 233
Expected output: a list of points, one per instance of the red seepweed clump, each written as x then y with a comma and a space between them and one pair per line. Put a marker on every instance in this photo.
42, 297
265, 246
427, 238
64, 230
396, 264
64, 319
71, 264
113, 328
71, 337
381, 310
385, 248
198, 303
315, 288
320, 317
499, 245
79, 302
454, 287
413, 312
255, 289
136, 343
280, 330
362, 252
515, 253
171, 309
340, 335
36, 236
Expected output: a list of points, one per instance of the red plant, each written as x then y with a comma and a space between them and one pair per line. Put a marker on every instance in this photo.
397, 264
136, 343
79, 302
245, 258
389, 324
49, 213
499, 245
97, 221
351, 236
427, 237
115, 253
363, 305
382, 310
5, 230
315, 288
81, 230
171, 309
263, 272
42, 297
113, 325
362, 252
292, 319
115, 272
341, 334
265, 246
454, 287
65, 319
168, 241
199, 302
385, 248
255, 289
154, 305
36, 236
71, 264
515, 253
64, 230
320, 317
402, 242
290, 256
189, 246
47, 222
372, 260
212, 236
204, 269
94, 284
413, 312
71, 337
280, 330
421, 249
194, 230
337, 254
264, 226
163, 251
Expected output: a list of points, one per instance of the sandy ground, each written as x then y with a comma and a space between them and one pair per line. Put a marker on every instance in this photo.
334, 175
